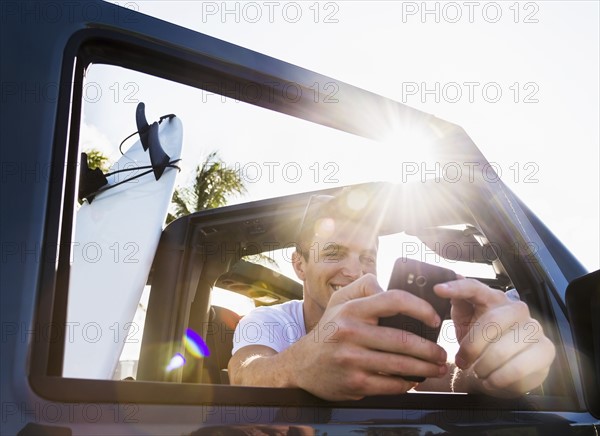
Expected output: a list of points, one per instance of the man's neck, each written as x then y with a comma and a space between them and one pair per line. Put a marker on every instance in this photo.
312, 314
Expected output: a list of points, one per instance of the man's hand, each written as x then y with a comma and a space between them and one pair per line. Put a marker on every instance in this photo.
347, 355
500, 344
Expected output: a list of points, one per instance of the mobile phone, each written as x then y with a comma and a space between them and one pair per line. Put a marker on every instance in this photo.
419, 278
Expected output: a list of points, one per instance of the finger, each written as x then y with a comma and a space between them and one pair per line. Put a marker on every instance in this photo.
401, 365
525, 385
392, 340
462, 313
524, 371
393, 302
471, 290
364, 286
513, 341
489, 329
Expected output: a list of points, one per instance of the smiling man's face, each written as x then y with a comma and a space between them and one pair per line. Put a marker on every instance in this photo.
338, 255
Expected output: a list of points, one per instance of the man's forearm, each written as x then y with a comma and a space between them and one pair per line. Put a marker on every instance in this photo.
257, 368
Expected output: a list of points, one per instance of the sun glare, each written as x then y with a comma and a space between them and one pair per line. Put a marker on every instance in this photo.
410, 153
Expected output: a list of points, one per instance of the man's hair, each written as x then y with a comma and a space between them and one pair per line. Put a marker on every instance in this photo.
347, 207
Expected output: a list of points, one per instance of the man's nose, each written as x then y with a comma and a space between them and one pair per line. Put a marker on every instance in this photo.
352, 268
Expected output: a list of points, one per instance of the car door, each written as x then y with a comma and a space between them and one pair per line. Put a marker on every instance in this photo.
41, 145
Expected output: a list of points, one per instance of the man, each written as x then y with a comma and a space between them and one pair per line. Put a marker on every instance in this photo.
330, 343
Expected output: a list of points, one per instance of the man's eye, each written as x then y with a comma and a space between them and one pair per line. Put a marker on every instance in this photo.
369, 260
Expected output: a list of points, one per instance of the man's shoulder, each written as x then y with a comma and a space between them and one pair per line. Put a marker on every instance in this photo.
289, 308
276, 326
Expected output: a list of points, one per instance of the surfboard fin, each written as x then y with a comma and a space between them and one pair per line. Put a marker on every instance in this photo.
142, 124
151, 142
159, 159
90, 181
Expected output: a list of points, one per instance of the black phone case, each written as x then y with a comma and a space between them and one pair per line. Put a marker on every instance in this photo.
418, 278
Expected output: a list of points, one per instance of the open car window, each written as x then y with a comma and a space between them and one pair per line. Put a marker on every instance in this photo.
176, 324
272, 154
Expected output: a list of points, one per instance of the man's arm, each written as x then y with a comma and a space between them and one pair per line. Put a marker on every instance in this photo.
358, 357
259, 365
362, 358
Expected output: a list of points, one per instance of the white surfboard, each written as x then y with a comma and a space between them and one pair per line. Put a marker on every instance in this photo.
116, 236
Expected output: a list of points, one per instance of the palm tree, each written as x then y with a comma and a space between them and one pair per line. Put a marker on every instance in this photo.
97, 159
213, 184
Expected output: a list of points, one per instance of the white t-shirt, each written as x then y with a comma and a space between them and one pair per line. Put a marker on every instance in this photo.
277, 326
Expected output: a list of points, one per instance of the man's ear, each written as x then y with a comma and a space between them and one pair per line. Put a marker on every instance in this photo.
299, 264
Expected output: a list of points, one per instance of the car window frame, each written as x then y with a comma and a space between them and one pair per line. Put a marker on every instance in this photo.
44, 372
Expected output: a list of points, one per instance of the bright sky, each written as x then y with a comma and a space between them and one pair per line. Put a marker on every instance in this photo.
451, 59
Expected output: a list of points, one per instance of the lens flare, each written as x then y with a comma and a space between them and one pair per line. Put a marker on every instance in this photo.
177, 361
195, 345
357, 200
324, 227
